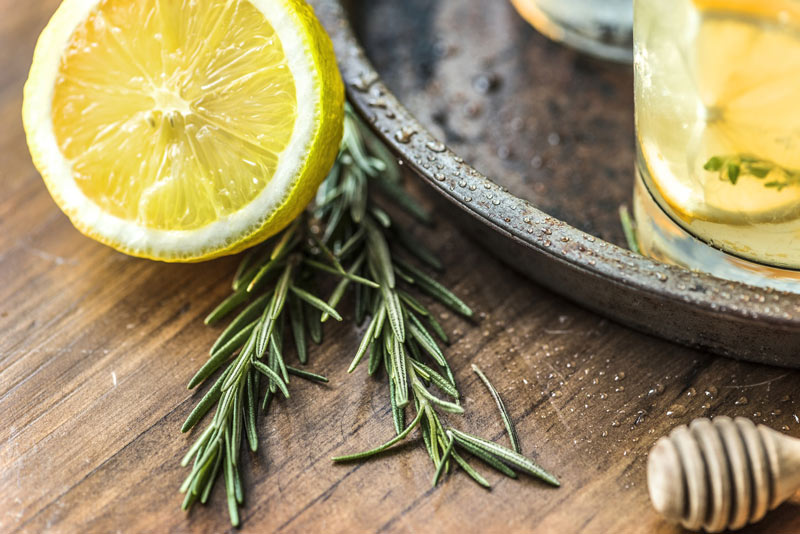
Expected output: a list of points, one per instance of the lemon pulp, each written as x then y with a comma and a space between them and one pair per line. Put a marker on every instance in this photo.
721, 78
173, 114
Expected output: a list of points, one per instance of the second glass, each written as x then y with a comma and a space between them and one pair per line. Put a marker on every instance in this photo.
598, 27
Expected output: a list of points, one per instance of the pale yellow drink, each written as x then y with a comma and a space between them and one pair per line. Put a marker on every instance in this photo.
717, 87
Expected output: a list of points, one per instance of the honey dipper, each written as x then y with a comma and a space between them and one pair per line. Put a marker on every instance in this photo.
722, 474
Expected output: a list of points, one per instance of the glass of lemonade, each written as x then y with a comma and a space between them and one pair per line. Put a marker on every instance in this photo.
717, 94
598, 27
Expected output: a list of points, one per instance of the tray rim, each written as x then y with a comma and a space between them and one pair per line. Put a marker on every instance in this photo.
517, 219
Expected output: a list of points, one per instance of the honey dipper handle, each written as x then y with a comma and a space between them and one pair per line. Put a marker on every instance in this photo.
783, 454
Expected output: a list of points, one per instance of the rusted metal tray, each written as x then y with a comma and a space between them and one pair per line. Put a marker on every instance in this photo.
480, 89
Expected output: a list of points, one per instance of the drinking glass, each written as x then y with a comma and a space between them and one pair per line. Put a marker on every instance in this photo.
598, 27
717, 96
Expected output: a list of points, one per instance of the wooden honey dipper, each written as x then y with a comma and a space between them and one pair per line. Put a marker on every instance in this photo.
722, 474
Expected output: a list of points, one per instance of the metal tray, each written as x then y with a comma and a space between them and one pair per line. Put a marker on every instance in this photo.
575, 116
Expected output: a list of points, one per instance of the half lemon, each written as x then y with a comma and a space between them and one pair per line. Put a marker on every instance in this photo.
183, 130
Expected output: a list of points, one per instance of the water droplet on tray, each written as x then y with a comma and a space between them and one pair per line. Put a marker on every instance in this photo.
404, 134
364, 81
485, 82
435, 146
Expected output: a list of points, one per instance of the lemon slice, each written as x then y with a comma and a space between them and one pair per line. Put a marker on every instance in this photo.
727, 87
183, 131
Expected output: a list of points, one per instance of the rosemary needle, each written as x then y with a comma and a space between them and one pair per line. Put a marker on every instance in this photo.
512, 432
507, 456
444, 459
628, 229
313, 377
398, 438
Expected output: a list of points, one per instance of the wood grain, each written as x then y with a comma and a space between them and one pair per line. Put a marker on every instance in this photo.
96, 349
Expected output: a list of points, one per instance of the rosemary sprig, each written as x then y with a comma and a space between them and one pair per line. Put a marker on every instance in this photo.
732, 168
345, 235
401, 332
255, 336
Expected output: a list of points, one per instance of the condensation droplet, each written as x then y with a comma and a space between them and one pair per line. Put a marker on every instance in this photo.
435, 146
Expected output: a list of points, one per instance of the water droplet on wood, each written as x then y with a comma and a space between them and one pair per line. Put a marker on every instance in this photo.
676, 410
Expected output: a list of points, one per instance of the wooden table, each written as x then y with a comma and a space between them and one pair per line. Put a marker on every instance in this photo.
96, 349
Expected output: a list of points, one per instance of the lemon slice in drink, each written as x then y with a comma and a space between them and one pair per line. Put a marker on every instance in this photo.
728, 87
183, 131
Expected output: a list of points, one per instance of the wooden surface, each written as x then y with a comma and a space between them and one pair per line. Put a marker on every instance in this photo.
96, 349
